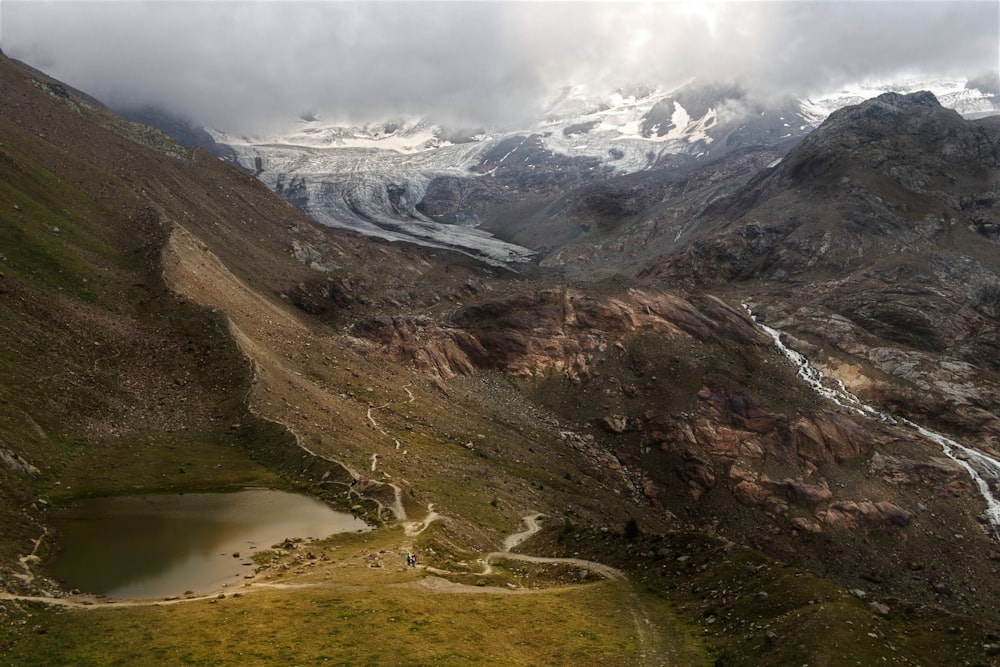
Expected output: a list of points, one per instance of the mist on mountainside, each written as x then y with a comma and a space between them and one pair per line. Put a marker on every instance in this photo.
251, 68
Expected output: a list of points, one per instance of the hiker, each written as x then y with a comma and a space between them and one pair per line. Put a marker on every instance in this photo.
409, 559
413, 560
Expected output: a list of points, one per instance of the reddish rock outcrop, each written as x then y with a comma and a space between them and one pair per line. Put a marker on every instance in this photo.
806, 525
754, 488
828, 437
741, 410
727, 443
534, 331
866, 515
698, 473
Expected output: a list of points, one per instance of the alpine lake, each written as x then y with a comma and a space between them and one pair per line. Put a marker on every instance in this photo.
152, 546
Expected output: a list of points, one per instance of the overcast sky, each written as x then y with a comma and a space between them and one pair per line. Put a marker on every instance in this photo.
253, 66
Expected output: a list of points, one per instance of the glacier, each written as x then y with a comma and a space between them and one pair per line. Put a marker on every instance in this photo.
371, 178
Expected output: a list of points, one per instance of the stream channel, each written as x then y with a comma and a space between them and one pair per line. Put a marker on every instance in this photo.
983, 469
146, 546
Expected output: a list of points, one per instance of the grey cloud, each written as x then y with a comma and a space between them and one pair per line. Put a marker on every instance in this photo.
248, 66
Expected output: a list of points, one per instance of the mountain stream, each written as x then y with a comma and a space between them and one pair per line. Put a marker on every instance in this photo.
982, 468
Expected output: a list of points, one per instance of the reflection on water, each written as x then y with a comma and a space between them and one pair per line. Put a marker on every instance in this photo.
152, 546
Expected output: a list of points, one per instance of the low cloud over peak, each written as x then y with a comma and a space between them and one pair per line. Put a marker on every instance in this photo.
254, 66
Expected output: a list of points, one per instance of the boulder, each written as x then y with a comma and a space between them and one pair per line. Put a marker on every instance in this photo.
615, 423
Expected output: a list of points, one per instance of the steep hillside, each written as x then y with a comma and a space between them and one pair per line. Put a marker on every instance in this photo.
95, 346
867, 249
243, 269
622, 470
878, 229
172, 325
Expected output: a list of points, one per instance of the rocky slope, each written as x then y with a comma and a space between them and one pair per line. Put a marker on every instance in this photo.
869, 245
878, 229
172, 325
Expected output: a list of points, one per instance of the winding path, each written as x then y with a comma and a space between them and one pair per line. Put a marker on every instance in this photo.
651, 650
532, 525
650, 653
411, 528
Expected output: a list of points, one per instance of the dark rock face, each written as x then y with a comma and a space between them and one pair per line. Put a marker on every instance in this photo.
883, 216
611, 226
179, 129
898, 174
730, 118
293, 190
516, 171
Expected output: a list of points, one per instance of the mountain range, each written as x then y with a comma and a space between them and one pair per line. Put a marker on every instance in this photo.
415, 180
750, 391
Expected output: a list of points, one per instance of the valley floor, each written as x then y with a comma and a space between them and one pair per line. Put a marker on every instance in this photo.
352, 600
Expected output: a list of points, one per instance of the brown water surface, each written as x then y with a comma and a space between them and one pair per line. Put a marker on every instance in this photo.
163, 545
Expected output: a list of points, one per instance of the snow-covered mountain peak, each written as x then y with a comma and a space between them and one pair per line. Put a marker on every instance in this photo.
960, 94
373, 177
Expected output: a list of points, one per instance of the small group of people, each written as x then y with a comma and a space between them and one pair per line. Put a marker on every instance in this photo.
411, 559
